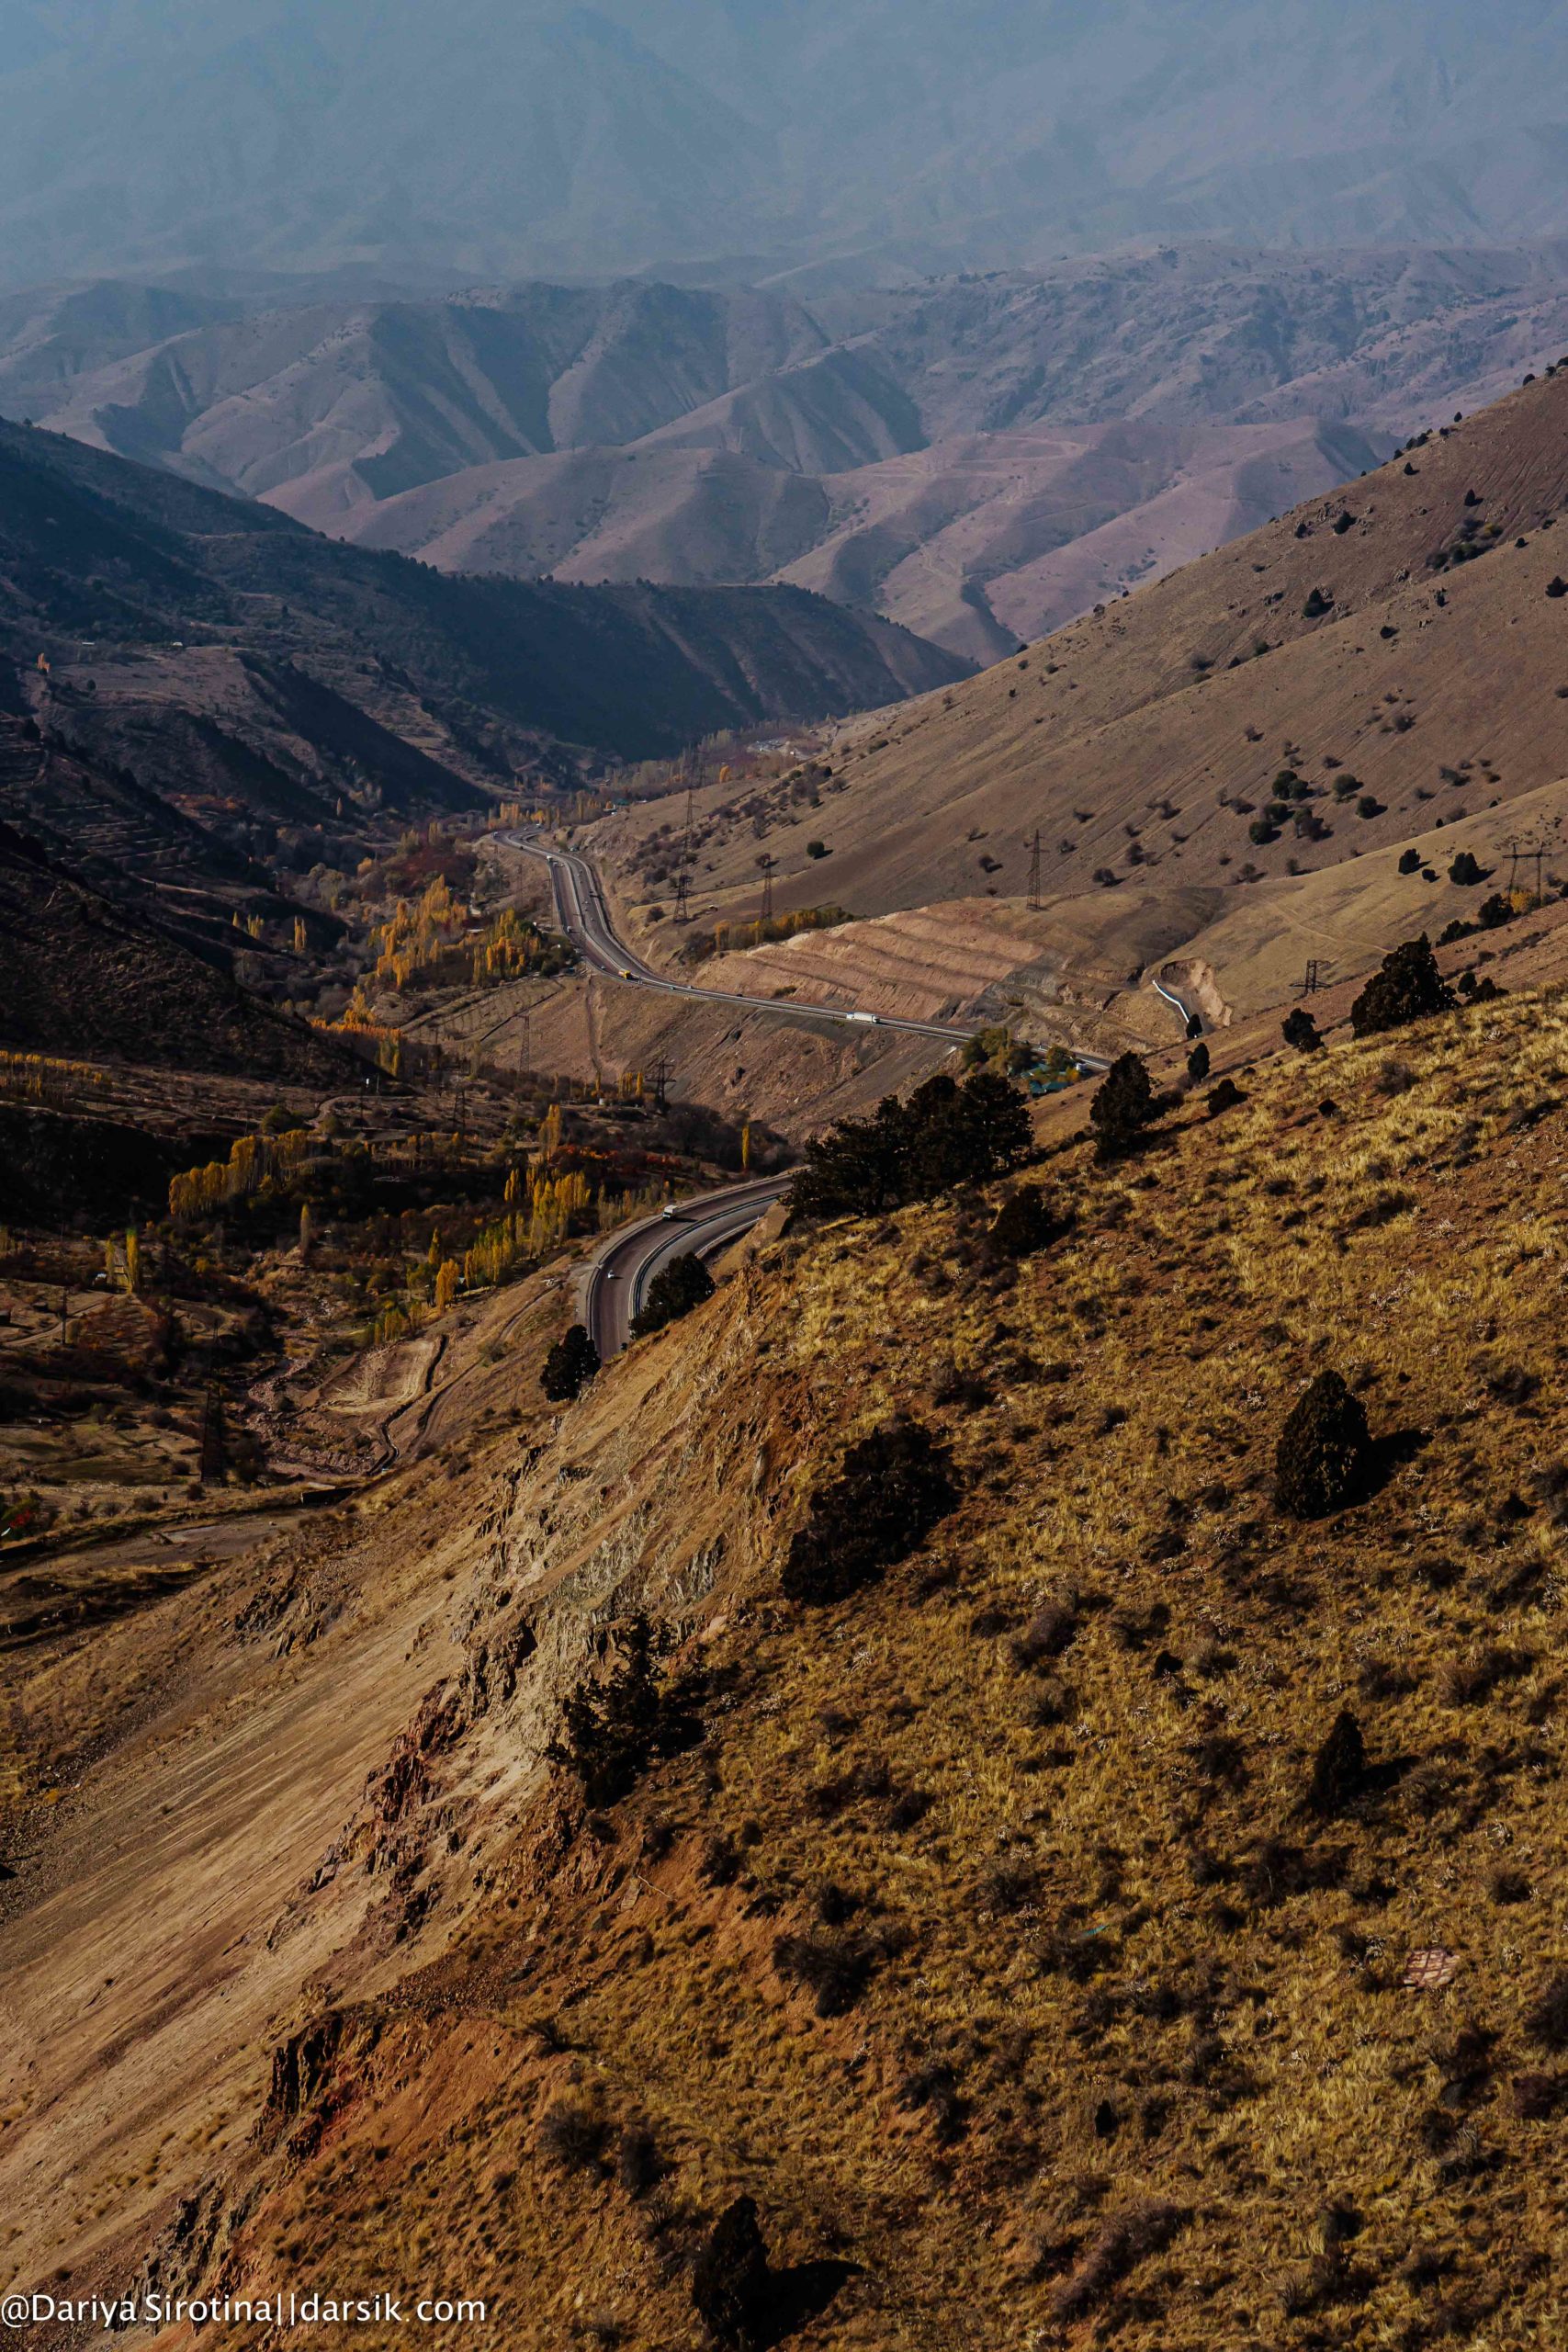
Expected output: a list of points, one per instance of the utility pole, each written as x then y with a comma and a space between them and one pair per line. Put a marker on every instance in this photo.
1513, 865
660, 1083
214, 1454
683, 877
767, 863
691, 763
1309, 986
1035, 873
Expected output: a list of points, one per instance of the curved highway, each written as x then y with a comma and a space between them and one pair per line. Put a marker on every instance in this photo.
615, 1281
1172, 999
585, 919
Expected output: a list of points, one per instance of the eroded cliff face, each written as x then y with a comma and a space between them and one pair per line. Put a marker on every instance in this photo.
995, 1927
279, 1795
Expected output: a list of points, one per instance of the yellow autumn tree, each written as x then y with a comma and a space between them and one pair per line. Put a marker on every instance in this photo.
252, 1160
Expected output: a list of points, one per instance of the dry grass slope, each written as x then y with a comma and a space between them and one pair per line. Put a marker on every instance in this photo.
989, 1940
1143, 739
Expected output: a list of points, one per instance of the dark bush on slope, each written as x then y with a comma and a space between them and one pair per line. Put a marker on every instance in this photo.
570, 1365
1123, 1107
1024, 1223
893, 1488
1408, 987
673, 1292
1324, 1451
730, 2285
611, 1732
944, 1134
1340, 1768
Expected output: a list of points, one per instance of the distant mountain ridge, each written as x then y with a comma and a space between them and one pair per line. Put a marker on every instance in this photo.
976, 456
629, 136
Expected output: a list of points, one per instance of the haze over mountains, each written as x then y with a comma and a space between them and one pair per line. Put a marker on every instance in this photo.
979, 457
154, 134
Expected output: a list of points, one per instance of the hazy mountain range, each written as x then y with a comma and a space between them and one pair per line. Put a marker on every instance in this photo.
978, 457
159, 134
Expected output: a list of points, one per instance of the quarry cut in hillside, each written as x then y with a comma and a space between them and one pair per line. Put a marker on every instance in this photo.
975, 962
1080, 971
1130, 1909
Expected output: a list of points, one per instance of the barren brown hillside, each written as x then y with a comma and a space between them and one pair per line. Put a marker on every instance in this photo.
1144, 741
1002, 1934
979, 456
792, 1075
1081, 968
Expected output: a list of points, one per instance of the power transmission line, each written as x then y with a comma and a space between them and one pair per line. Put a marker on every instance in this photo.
214, 1453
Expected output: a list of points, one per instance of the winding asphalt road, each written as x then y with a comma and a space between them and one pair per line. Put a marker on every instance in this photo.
585, 919
615, 1281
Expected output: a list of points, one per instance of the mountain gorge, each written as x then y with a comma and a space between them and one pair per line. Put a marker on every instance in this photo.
783, 1149
913, 1807
191, 666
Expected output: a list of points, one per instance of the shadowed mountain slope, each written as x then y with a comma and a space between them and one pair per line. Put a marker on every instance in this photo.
214, 649
82, 978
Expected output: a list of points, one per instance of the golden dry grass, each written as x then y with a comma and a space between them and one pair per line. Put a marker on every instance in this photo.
1133, 2059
